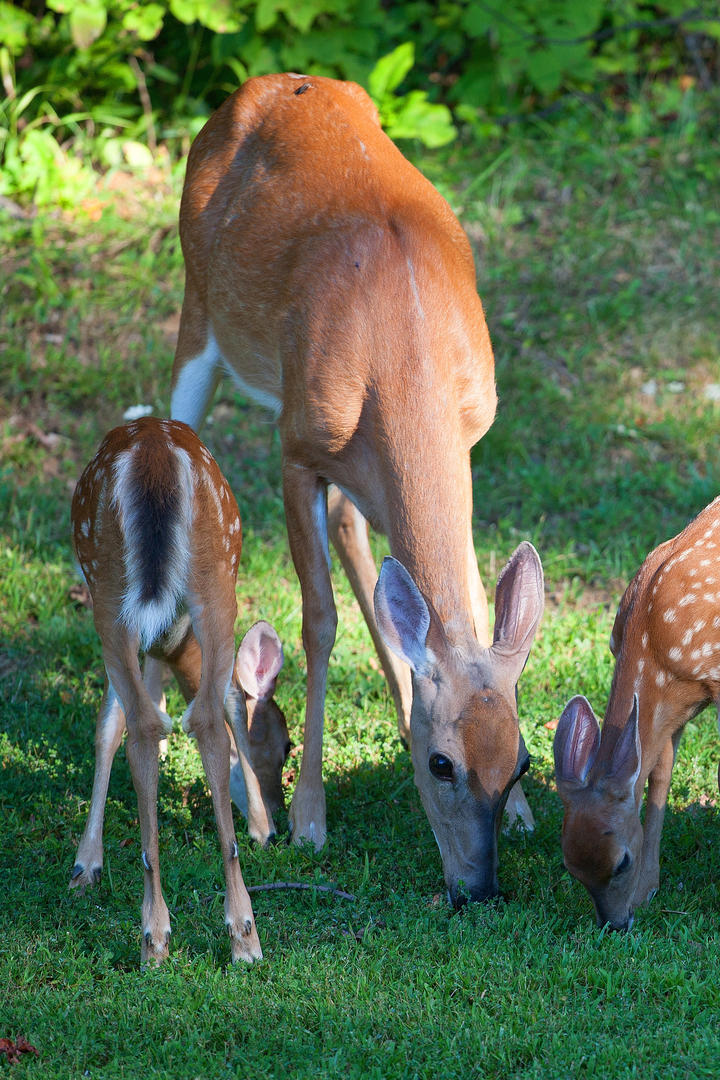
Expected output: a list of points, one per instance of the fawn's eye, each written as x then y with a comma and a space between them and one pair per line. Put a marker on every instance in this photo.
622, 865
441, 767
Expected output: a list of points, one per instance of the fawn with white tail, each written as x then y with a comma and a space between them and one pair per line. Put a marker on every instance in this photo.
329, 277
157, 533
666, 643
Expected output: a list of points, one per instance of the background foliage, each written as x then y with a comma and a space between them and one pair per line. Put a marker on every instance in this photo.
107, 81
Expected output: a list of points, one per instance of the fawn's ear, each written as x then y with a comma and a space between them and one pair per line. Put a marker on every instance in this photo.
626, 757
259, 661
577, 739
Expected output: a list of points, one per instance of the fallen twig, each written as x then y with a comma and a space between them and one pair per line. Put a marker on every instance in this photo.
300, 885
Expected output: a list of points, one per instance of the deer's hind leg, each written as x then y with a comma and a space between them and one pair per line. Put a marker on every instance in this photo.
213, 624
109, 731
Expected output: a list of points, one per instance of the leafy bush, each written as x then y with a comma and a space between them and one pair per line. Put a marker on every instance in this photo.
85, 73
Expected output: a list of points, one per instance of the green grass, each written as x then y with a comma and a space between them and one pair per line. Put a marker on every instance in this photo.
597, 259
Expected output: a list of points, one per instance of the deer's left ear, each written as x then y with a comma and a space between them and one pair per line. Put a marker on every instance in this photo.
577, 739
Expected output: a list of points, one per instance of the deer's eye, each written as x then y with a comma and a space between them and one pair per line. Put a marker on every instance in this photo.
441, 767
622, 865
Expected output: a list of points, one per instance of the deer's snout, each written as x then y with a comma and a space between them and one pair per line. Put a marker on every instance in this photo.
463, 894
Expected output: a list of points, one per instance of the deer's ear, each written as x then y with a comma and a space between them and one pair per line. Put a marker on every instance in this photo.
519, 601
626, 757
577, 739
406, 620
259, 660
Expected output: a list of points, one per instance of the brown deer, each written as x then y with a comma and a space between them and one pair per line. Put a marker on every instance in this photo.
334, 283
666, 643
157, 533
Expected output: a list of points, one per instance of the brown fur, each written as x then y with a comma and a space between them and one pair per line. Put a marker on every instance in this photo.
330, 276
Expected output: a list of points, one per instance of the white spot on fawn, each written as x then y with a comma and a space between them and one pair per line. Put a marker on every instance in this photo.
688, 598
675, 653
660, 678
670, 615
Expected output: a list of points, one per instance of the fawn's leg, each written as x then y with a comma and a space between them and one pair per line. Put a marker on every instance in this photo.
205, 718
108, 735
146, 726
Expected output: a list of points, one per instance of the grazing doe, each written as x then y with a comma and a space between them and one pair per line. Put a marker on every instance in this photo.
666, 643
157, 533
334, 282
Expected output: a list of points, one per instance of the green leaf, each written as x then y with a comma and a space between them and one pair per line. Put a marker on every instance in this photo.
266, 14
87, 22
302, 13
14, 26
544, 69
137, 154
418, 118
390, 71
187, 11
145, 22
477, 20
220, 18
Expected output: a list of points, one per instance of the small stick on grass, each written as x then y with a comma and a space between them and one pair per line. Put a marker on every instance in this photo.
300, 885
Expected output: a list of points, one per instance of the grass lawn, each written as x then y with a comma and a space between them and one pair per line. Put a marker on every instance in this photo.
598, 262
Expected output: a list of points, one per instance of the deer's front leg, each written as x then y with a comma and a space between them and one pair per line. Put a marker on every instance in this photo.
306, 515
656, 801
109, 731
349, 534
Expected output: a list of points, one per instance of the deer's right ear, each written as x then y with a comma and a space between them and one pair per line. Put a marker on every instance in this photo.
403, 616
627, 753
577, 739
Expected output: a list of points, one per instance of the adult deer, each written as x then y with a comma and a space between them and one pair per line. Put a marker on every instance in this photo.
666, 643
336, 285
157, 533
